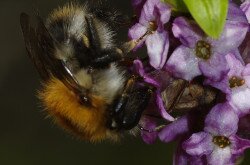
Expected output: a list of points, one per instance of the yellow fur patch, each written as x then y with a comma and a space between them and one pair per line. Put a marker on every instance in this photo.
85, 40
66, 11
88, 122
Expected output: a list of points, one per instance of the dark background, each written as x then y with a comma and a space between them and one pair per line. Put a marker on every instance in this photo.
26, 137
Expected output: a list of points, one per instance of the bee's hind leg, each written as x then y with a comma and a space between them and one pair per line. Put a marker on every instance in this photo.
128, 107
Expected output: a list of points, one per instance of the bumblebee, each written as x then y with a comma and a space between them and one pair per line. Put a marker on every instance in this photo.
86, 88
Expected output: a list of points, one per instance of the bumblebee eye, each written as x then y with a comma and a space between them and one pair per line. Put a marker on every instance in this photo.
84, 100
85, 41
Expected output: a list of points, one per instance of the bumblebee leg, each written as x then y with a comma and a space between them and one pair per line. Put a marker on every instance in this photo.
101, 58
128, 108
125, 95
94, 39
107, 57
130, 45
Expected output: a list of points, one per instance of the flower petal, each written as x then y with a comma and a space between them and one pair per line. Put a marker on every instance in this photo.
161, 107
147, 13
222, 85
159, 78
220, 156
239, 145
138, 66
157, 46
183, 63
231, 38
164, 11
234, 64
182, 158
234, 31
240, 100
221, 120
246, 75
135, 32
138, 5
162, 15
236, 14
198, 144
148, 124
174, 130
235, 69
162, 78
245, 7
188, 32
246, 71
214, 68
152, 81
238, 56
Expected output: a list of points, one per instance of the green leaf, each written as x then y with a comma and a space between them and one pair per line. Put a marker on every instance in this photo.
177, 5
209, 14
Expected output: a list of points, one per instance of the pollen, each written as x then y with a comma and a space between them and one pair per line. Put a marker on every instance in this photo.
236, 82
152, 26
221, 141
203, 50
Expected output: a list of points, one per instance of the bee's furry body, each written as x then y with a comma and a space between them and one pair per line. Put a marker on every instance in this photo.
85, 89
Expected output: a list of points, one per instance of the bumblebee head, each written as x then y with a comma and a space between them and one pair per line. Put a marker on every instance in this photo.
86, 121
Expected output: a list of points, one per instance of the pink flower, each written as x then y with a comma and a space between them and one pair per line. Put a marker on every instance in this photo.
150, 29
202, 55
236, 84
218, 142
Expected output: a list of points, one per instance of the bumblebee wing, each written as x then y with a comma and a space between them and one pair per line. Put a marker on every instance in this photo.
41, 46
30, 39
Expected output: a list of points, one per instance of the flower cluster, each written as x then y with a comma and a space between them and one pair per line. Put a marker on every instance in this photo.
202, 84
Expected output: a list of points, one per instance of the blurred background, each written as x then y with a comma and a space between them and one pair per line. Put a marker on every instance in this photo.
26, 137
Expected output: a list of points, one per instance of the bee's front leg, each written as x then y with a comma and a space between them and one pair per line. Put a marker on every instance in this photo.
100, 57
105, 59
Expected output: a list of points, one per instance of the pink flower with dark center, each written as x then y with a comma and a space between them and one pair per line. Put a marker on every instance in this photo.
150, 30
236, 84
218, 142
202, 55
